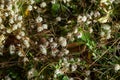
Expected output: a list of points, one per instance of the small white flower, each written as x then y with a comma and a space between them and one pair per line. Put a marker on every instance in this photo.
89, 22
91, 30
35, 7
78, 60
18, 37
26, 43
73, 67
69, 35
94, 21
87, 72
20, 53
89, 16
84, 18
53, 45
12, 13
6, 14
39, 29
36, 59
15, 26
46, 44
43, 5
53, 1
19, 24
105, 26
75, 30
54, 51
58, 71
19, 18
31, 73
45, 26
30, 8
22, 33
65, 51
79, 35
65, 60
108, 36
11, 20
51, 39
25, 59
43, 49
9, 30
79, 18
91, 13
58, 19
32, 1
12, 49
39, 19
117, 67
62, 41
2, 26
102, 34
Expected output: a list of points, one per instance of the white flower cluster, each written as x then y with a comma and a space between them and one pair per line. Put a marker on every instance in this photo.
67, 65
11, 22
106, 31
117, 67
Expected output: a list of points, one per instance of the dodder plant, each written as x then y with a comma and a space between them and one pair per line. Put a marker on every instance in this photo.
59, 39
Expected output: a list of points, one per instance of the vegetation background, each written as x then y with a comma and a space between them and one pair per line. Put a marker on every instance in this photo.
59, 39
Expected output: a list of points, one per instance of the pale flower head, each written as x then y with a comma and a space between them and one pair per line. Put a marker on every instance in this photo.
58, 18
39, 19
31, 73
39, 29
58, 71
108, 36
12, 49
43, 49
43, 5
106, 26
79, 35
117, 67
30, 8
26, 43
102, 34
20, 18
20, 53
62, 41
45, 26
73, 67
84, 18
53, 45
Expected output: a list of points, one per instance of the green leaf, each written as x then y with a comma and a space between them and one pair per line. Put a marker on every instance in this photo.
37, 1
65, 78
55, 7
85, 36
35, 73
